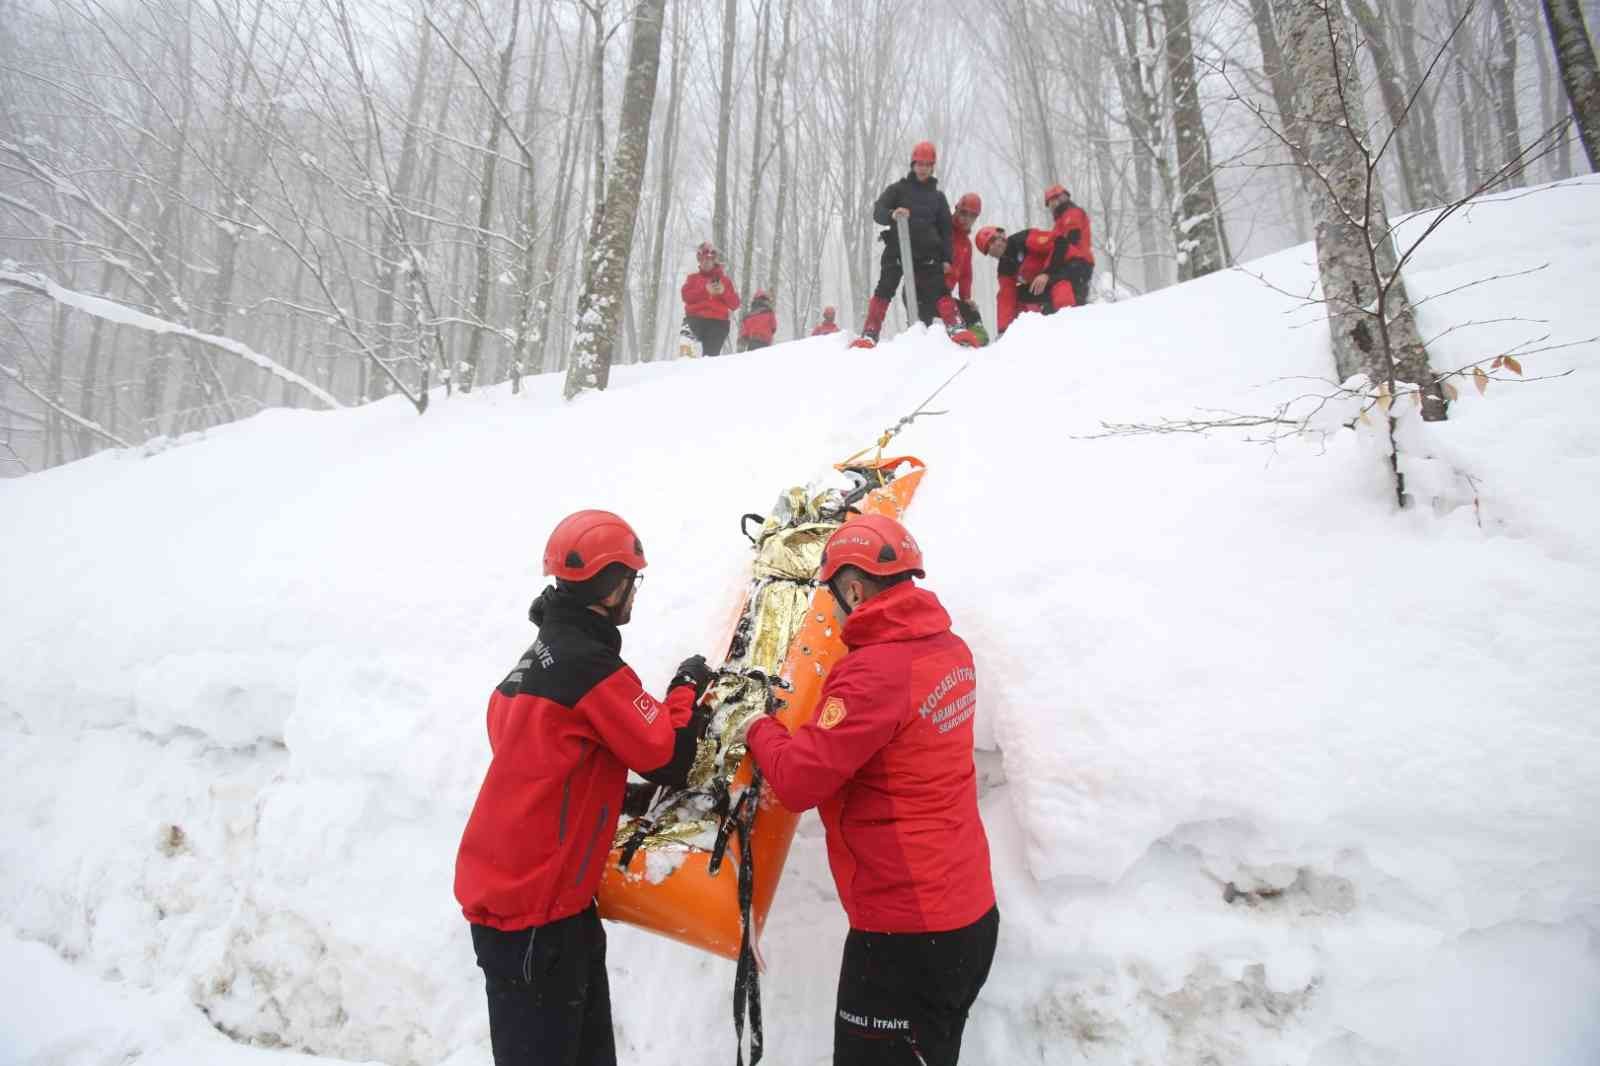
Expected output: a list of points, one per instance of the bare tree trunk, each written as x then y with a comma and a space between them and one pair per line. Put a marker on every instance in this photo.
590, 366
1394, 102
719, 210
468, 371
780, 127
758, 158
1421, 116
1198, 224
1579, 73
565, 186
1282, 81
664, 187
1372, 326
389, 249
1504, 69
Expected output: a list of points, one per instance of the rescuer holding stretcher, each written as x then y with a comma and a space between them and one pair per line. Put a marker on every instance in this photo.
888, 762
565, 727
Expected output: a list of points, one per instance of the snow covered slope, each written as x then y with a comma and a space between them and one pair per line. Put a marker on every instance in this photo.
1275, 773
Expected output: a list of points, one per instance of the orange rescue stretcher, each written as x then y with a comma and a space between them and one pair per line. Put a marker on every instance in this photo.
697, 900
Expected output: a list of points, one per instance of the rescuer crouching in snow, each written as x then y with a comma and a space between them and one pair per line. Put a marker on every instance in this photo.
565, 727
888, 763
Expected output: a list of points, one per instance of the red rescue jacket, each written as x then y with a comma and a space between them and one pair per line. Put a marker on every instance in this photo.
759, 326
1073, 224
825, 328
565, 726
699, 303
888, 760
960, 272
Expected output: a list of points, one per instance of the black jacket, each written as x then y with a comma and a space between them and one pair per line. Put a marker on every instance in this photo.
929, 222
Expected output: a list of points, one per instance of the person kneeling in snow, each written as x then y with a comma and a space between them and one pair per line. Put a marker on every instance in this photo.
827, 325
565, 726
888, 761
759, 324
1031, 273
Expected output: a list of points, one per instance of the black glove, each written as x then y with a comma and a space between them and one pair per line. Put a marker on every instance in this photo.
693, 671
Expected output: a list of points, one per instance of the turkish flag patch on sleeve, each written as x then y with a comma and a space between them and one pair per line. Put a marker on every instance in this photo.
647, 707
832, 713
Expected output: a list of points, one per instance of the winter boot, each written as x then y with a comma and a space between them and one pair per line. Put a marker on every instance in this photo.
688, 343
877, 308
953, 325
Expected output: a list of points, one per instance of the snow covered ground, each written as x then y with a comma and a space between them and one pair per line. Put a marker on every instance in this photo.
1274, 772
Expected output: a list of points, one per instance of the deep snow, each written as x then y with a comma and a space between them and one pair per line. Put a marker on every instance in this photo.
244, 677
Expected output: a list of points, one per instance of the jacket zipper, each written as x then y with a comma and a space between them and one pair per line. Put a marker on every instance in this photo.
599, 824
566, 794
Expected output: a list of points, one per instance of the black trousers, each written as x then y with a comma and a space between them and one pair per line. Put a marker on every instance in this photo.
549, 999
1078, 272
904, 997
712, 333
928, 277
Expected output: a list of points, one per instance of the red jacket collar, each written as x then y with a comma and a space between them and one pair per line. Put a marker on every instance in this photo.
903, 612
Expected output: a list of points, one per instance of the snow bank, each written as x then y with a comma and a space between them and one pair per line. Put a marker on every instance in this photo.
1273, 772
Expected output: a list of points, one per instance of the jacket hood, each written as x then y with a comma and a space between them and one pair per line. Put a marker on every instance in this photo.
554, 607
903, 612
932, 182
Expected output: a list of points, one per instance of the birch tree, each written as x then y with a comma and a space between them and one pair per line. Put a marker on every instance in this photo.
607, 271
1579, 73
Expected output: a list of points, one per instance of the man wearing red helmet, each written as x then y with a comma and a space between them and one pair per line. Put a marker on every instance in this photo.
759, 324
1072, 227
1030, 275
708, 299
888, 762
565, 727
827, 325
917, 199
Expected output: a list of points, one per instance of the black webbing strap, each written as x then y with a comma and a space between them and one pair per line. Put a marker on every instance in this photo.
641, 829
747, 977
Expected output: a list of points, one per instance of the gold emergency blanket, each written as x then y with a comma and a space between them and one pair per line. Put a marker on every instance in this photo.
788, 556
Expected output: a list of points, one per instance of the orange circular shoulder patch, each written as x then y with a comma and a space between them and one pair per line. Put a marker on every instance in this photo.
832, 713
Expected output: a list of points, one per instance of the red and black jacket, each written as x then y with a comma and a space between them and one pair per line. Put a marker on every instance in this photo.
565, 727
888, 762
698, 302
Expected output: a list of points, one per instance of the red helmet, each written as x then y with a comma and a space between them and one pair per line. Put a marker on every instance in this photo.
924, 153
970, 201
984, 236
828, 312
706, 248
1054, 191
872, 542
761, 294
586, 542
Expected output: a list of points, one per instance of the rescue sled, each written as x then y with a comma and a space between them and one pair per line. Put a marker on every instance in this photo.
677, 868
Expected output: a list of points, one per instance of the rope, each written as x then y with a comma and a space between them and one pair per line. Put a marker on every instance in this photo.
747, 975
894, 430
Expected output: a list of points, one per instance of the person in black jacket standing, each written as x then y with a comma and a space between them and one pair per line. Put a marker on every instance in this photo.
916, 198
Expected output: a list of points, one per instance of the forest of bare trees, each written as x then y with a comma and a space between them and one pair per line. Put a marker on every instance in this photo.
208, 207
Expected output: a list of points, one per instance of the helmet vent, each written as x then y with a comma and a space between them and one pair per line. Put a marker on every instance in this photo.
574, 559
886, 554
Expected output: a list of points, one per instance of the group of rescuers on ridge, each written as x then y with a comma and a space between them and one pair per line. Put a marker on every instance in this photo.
1039, 270
888, 763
